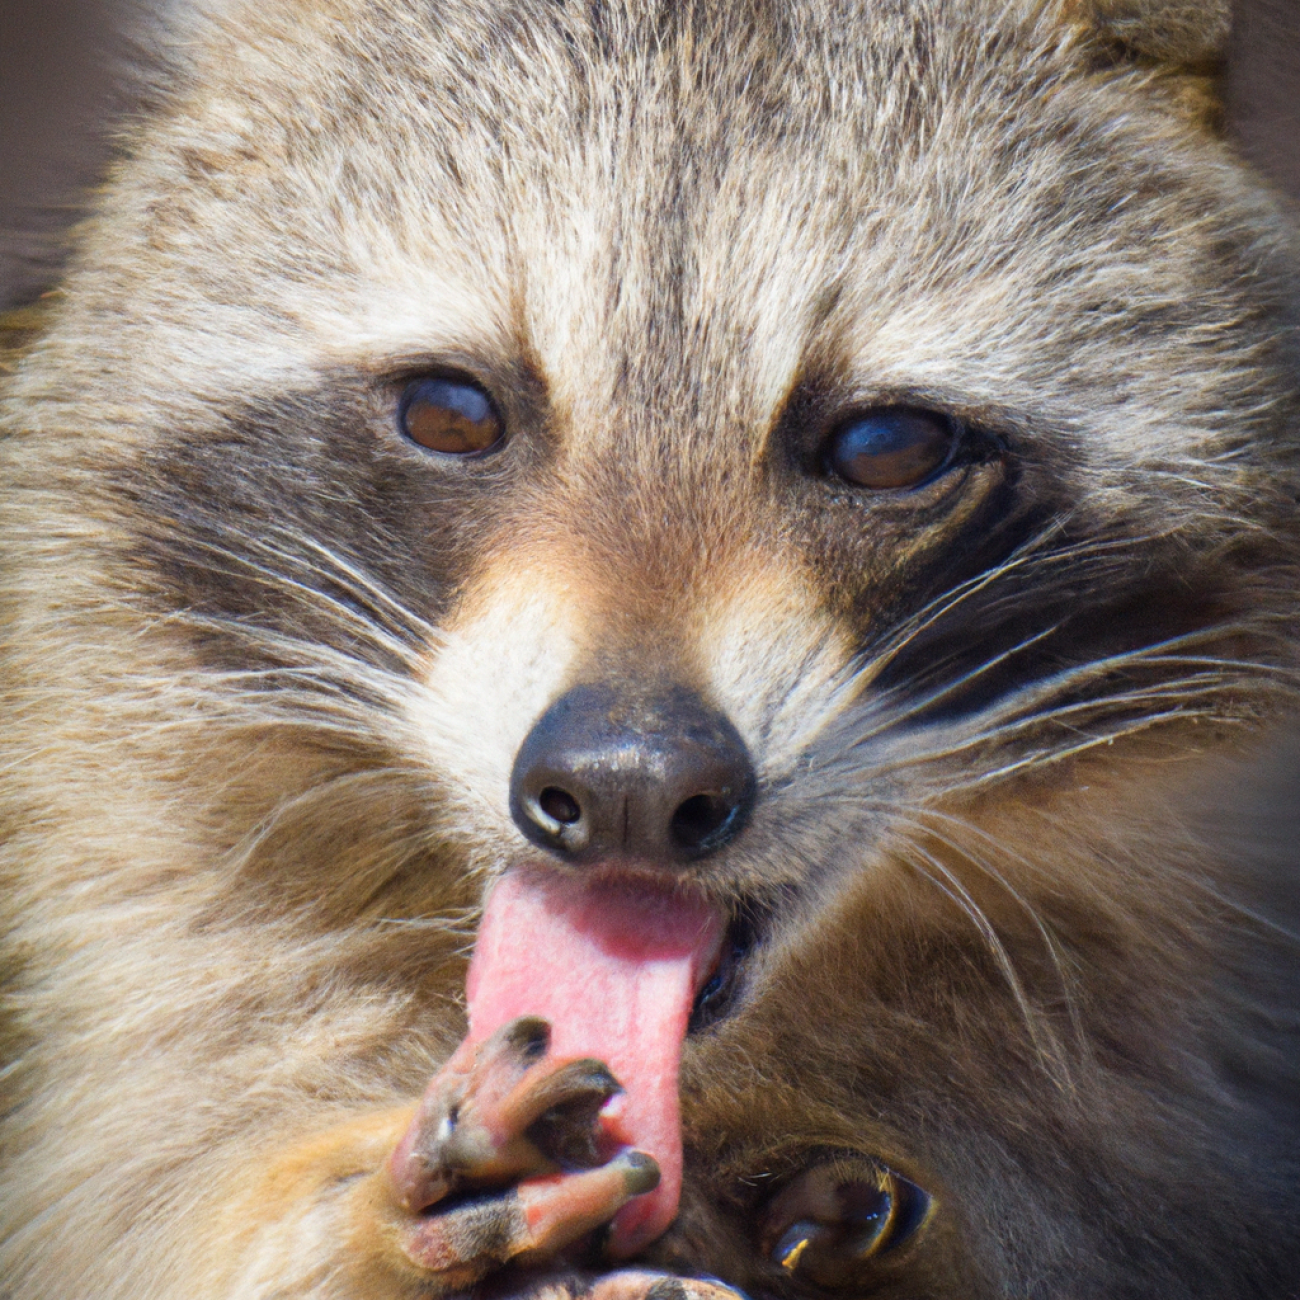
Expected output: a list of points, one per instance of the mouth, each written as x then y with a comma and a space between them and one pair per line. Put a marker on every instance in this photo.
724, 983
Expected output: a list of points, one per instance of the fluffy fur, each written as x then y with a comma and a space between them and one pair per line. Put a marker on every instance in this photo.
1021, 873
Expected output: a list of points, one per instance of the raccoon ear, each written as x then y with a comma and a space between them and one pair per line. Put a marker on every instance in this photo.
1193, 33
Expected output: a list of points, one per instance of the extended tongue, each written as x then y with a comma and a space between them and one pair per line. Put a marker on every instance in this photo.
614, 967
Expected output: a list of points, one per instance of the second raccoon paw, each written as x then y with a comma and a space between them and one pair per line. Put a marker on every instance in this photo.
503, 1158
625, 1284
642, 1284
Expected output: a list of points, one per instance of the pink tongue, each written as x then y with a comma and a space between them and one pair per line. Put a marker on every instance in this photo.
615, 969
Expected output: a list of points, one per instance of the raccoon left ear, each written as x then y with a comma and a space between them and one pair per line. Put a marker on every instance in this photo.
1192, 33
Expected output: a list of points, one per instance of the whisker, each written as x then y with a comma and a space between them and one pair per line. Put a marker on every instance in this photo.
1027, 557
929, 701
275, 580
950, 885
338, 564
920, 817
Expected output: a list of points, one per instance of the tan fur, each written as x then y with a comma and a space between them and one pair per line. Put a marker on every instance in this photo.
265, 670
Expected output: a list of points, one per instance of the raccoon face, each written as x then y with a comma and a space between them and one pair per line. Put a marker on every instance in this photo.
822, 439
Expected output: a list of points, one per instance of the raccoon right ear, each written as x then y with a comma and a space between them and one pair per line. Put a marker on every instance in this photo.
1190, 33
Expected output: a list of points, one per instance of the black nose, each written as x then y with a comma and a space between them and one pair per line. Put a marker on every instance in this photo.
607, 773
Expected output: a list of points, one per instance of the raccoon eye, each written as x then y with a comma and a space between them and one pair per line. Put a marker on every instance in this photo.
893, 447
449, 416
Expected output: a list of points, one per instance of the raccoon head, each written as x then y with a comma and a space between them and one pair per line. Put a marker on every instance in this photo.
807, 424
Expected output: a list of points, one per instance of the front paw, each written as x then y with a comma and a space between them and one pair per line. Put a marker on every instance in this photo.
503, 1160
625, 1284
641, 1284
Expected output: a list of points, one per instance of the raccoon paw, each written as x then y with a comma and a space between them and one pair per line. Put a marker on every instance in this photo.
625, 1284
641, 1284
503, 1158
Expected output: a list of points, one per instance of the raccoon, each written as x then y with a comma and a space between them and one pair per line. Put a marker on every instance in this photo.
649, 650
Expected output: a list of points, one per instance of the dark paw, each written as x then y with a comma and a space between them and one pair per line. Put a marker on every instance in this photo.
640, 1284
625, 1284
504, 1157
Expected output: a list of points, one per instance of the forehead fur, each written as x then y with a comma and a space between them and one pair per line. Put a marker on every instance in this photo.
678, 211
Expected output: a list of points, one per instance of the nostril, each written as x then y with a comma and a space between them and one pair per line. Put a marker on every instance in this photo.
559, 805
701, 819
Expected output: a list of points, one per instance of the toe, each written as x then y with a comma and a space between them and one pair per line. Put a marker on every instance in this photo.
500, 1111
557, 1104
510, 1140
536, 1219
559, 1210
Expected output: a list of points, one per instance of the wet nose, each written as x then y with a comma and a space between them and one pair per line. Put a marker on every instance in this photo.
658, 777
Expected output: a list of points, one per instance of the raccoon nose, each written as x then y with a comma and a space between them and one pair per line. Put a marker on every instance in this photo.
653, 777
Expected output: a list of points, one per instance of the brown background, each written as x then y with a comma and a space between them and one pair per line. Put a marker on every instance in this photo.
56, 93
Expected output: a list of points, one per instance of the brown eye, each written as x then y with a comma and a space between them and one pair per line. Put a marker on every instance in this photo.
893, 447
450, 416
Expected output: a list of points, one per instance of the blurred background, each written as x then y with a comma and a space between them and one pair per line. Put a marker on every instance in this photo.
57, 94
